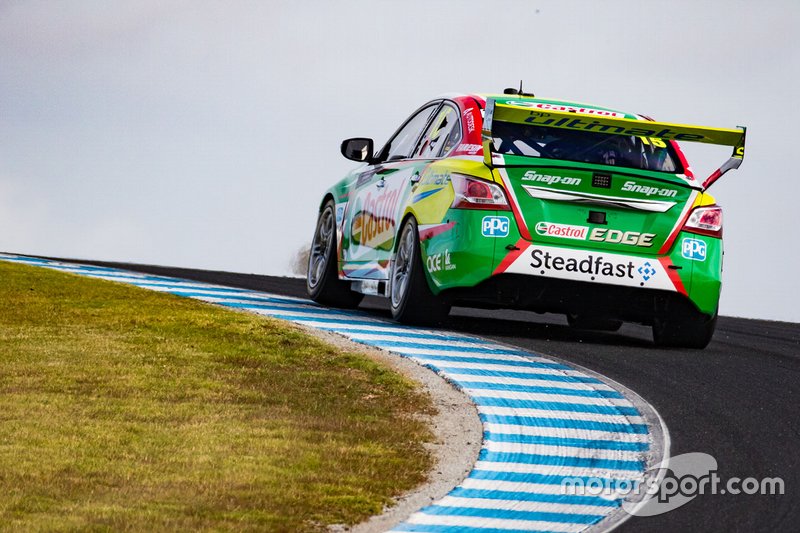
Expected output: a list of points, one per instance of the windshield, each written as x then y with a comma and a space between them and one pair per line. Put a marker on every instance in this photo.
645, 153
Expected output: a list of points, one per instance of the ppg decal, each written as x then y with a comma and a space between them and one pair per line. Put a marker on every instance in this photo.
693, 249
494, 226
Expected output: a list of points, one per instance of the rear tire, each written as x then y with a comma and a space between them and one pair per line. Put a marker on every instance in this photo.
322, 281
411, 299
687, 329
593, 323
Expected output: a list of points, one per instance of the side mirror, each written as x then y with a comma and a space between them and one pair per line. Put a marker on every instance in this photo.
357, 149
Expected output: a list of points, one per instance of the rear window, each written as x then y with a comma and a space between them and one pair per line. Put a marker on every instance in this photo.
644, 153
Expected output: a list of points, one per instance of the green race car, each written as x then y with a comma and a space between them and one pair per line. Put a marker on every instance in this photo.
512, 201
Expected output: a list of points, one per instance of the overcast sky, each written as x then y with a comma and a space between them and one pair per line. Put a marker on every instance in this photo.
202, 134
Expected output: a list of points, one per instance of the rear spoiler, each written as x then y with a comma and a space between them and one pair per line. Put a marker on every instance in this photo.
585, 119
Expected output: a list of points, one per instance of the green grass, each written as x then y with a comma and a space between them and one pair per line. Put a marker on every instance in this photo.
126, 409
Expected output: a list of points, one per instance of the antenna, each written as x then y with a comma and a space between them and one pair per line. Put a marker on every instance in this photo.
511, 90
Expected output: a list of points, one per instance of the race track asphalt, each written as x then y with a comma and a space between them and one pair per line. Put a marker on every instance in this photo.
738, 400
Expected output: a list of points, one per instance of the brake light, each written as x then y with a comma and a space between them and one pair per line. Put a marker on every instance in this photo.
474, 193
705, 221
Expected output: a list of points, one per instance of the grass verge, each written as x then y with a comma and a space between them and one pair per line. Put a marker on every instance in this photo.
122, 408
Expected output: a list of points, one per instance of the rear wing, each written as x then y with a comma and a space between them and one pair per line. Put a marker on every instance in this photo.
585, 119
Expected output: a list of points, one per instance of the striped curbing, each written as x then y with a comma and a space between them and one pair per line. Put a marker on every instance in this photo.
545, 422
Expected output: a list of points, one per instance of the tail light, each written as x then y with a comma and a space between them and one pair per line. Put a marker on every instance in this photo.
474, 193
705, 221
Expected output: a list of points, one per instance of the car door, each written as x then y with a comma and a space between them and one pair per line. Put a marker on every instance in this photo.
378, 199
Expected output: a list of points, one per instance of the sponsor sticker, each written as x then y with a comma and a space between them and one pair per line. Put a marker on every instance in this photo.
437, 178
543, 118
647, 271
494, 226
631, 186
470, 149
373, 224
439, 262
615, 236
469, 119
532, 175
564, 108
565, 231
592, 266
694, 249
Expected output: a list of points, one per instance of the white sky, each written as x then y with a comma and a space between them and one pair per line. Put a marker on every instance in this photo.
202, 134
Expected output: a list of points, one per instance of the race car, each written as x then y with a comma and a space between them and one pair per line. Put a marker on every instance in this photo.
514, 201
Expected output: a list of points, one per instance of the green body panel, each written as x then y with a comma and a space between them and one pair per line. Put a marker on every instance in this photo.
625, 229
533, 162
460, 257
704, 285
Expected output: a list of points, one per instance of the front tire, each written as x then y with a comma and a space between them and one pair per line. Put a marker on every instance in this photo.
412, 301
322, 281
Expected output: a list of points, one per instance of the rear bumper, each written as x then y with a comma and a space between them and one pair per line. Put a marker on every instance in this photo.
567, 279
541, 294
466, 262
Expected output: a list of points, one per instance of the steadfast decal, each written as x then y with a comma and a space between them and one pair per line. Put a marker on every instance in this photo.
592, 266
543, 421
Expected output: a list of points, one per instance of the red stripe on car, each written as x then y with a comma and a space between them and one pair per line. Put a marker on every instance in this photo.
676, 280
511, 257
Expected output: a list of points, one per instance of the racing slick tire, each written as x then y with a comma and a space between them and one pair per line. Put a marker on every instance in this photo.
687, 329
411, 299
322, 280
593, 323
